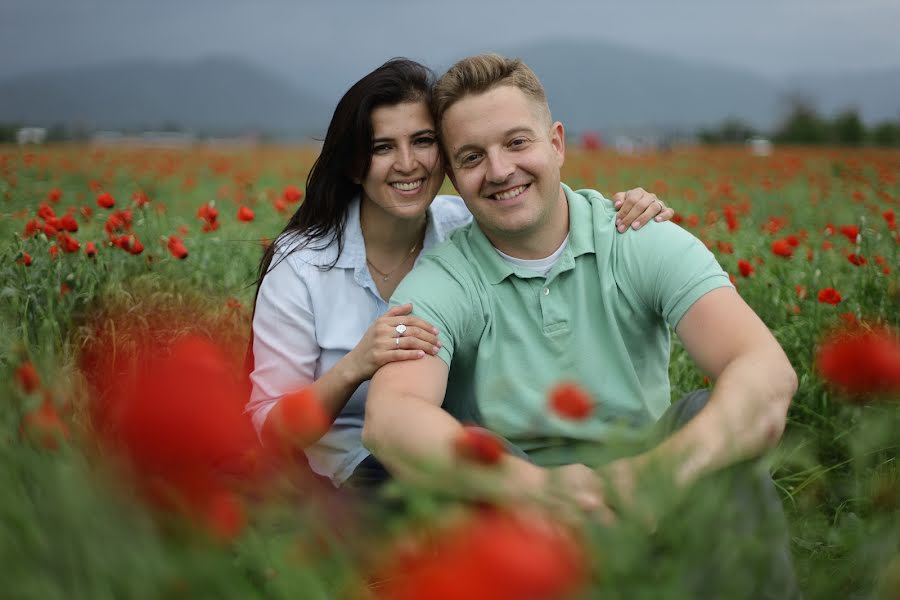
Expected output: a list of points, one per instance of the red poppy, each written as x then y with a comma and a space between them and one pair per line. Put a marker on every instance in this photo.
44, 425
178, 420
829, 296
745, 268
792, 240
491, 555
479, 445
569, 401
857, 259
890, 218
45, 212
54, 250
32, 226
68, 243
25, 260
245, 214
861, 361
105, 200
176, 247
49, 230
140, 199
54, 195
90, 250
225, 515
297, 421
68, 223
851, 232
27, 377
291, 194
782, 248
730, 218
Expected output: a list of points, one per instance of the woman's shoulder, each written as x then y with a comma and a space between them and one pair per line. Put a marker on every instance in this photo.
301, 250
450, 212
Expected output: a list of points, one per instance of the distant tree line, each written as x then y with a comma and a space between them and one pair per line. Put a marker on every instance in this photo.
804, 125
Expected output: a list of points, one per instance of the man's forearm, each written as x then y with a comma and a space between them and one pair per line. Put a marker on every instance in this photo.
744, 417
416, 441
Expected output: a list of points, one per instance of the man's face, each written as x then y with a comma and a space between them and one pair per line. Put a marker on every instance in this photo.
505, 158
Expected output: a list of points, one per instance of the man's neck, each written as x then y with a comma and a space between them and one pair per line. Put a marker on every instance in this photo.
543, 241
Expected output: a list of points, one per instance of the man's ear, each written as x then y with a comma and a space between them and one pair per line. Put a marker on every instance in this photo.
558, 141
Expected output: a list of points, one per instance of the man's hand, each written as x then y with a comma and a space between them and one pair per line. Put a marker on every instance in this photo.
575, 489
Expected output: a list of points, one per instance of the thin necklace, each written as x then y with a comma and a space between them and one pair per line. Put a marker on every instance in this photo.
387, 275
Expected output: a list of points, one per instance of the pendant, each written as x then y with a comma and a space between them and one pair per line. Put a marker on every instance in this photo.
385, 278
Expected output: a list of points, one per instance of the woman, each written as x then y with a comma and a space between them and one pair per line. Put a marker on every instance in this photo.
321, 317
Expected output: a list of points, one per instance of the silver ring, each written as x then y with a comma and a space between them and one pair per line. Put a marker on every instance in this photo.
398, 341
661, 205
400, 329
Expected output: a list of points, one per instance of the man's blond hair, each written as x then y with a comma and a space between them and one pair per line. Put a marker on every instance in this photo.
482, 73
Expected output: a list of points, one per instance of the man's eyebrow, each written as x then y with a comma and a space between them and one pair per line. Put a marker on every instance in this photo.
412, 135
506, 134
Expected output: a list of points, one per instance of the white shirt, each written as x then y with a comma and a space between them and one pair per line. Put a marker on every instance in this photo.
307, 319
540, 265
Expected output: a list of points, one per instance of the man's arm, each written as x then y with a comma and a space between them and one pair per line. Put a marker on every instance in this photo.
406, 428
754, 384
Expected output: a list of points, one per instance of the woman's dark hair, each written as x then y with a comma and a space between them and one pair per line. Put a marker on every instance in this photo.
346, 154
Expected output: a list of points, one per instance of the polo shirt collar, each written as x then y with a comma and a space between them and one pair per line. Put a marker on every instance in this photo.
581, 241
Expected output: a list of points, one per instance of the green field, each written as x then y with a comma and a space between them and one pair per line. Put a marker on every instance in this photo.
795, 229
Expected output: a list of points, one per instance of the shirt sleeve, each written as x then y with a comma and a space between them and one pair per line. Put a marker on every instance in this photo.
442, 296
668, 269
285, 349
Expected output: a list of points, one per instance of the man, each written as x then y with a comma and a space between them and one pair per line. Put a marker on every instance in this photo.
540, 289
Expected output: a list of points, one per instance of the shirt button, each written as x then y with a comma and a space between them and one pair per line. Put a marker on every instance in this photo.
546, 291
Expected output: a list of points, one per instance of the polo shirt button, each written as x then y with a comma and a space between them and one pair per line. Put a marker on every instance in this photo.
546, 291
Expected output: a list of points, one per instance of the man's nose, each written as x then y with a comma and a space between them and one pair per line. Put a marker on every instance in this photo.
499, 167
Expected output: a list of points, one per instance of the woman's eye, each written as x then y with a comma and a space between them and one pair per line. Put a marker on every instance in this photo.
380, 149
425, 141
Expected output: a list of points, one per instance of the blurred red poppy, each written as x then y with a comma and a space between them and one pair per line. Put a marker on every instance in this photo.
297, 420
90, 250
27, 377
291, 194
245, 214
479, 445
569, 401
44, 425
851, 232
829, 296
782, 248
861, 361
176, 247
745, 268
491, 555
105, 200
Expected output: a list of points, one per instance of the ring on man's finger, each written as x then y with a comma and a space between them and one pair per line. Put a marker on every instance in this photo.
400, 329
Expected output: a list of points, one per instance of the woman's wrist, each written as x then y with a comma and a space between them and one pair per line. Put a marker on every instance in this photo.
349, 371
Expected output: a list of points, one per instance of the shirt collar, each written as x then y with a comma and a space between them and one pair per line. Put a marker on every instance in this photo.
353, 254
581, 241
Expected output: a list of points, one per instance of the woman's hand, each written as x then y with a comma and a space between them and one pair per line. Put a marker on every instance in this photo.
636, 207
382, 344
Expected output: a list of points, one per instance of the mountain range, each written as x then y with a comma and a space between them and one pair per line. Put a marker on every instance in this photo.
590, 85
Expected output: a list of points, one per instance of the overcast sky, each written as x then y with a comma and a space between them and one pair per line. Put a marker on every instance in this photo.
294, 38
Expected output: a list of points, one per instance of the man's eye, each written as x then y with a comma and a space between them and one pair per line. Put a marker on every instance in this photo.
469, 159
517, 142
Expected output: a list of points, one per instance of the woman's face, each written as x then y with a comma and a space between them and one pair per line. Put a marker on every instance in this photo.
406, 171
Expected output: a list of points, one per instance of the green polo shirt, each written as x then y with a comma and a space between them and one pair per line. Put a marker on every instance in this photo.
601, 317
